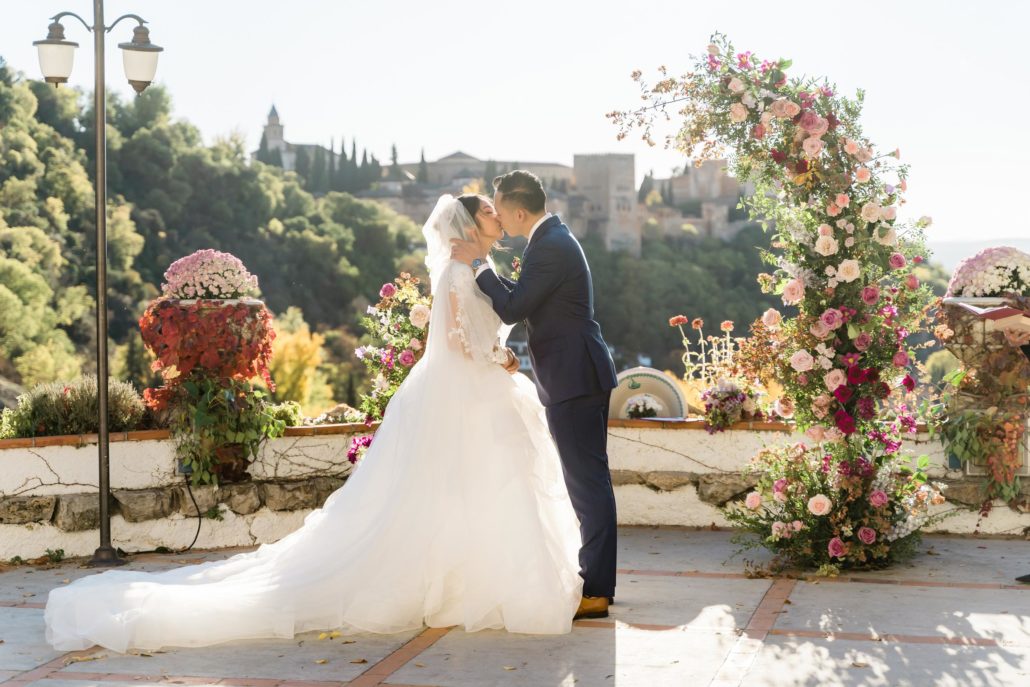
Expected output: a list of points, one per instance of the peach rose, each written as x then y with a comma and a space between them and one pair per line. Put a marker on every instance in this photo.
793, 292
885, 235
850, 147
771, 318
842, 200
832, 210
862, 175
812, 146
825, 230
738, 113
819, 505
785, 109
815, 433
736, 85
819, 330
889, 213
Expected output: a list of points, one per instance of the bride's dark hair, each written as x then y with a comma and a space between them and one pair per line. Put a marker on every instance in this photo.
472, 203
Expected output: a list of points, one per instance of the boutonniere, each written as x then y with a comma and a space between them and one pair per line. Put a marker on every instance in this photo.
516, 269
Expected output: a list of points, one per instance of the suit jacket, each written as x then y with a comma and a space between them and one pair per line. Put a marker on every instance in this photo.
555, 296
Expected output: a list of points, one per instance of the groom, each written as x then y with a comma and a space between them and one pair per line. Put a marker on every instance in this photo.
574, 370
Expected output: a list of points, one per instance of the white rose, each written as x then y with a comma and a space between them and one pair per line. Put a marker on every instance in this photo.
749, 101
849, 271
826, 245
419, 316
885, 235
871, 212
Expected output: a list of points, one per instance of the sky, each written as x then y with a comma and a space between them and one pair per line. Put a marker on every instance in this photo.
531, 80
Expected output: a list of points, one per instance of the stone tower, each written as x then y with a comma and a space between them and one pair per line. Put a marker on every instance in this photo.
608, 186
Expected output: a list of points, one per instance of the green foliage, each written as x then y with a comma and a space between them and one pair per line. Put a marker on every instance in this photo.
215, 414
55, 556
71, 408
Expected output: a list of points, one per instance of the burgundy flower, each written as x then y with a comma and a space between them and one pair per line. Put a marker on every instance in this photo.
843, 393
872, 374
882, 390
778, 156
856, 375
866, 408
908, 382
845, 422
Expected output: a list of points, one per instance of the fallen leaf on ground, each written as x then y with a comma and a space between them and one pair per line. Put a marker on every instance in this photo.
321, 661
859, 664
420, 665
82, 659
65, 581
334, 634
349, 641
510, 668
323, 635
359, 661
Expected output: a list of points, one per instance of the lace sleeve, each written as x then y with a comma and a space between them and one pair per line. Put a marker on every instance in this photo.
474, 325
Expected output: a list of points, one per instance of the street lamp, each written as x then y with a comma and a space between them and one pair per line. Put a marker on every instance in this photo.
56, 56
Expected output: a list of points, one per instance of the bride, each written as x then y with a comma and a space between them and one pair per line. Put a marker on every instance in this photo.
457, 515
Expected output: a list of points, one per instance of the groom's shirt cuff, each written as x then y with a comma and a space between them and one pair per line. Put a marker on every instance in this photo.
482, 268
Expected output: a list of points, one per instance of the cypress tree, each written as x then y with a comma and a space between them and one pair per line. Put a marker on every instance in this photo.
303, 166
423, 169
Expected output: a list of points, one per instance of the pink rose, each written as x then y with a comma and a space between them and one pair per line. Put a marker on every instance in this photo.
889, 213
833, 434
832, 318
862, 175
834, 378
850, 147
758, 131
415, 345
863, 341
813, 124
912, 282
842, 200
832, 210
406, 358
797, 525
388, 290
870, 295
819, 330
780, 484
780, 530
867, 535
900, 359
819, 505
836, 548
793, 292
753, 500
897, 261
736, 85
772, 318
878, 499
802, 361
825, 230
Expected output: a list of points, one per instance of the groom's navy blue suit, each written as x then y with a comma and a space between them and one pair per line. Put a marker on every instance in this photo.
574, 375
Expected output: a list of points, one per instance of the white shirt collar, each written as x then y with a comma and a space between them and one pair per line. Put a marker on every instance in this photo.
540, 221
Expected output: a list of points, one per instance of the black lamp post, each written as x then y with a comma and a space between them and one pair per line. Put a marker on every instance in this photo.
56, 56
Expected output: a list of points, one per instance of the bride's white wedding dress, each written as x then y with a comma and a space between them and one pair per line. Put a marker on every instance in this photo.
458, 515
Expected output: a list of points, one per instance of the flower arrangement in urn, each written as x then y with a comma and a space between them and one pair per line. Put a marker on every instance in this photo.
983, 416
842, 263
207, 350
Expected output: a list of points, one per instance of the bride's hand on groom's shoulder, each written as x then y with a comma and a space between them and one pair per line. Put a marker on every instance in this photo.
512, 365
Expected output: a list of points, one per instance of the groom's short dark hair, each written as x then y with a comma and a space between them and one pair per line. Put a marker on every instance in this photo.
522, 188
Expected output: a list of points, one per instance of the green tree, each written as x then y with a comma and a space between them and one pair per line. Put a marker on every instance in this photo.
423, 169
302, 165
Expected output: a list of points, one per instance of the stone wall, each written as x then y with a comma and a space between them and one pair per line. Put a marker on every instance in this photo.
664, 474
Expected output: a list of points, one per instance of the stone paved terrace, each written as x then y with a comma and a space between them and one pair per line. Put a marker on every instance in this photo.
685, 615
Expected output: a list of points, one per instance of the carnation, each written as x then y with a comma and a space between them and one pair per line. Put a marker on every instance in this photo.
992, 272
209, 274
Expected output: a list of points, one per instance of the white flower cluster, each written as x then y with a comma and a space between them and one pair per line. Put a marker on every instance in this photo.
992, 272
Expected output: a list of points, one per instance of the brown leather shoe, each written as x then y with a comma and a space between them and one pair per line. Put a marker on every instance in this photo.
592, 607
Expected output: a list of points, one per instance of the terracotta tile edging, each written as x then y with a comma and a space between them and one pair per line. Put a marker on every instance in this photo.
377, 674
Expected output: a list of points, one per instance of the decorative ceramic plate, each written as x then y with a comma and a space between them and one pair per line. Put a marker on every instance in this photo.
651, 387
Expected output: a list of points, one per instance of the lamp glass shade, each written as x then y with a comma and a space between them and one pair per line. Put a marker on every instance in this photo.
140, 65
56, 59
